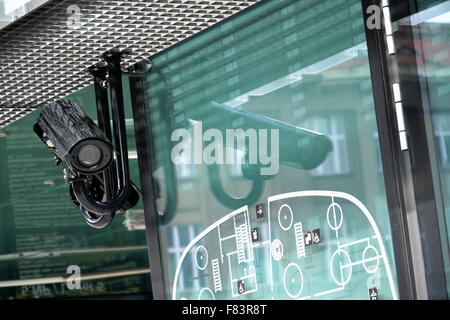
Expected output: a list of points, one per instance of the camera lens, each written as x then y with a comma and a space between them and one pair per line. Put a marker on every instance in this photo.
89, 155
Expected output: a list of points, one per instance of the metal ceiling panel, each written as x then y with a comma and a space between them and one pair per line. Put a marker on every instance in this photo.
44, 55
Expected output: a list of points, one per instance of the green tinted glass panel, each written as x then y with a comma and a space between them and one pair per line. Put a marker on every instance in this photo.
425, 4
294, 204
42, 232
431, 30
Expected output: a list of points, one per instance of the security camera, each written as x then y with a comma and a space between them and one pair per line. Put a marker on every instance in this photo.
88, 158
74, 138
96, 167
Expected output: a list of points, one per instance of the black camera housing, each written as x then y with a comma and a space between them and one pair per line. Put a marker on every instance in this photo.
70, 134
96, 169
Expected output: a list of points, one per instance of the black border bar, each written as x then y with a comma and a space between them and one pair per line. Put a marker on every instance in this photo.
144, 146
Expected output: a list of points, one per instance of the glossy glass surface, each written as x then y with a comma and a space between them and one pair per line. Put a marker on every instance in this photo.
294, 75
430, 28
42, 233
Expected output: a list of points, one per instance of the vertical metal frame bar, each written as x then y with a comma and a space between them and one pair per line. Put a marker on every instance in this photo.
117, 108
104, 123
396, 181
144, 148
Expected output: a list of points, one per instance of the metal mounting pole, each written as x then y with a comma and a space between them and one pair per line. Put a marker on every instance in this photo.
126, 195
104, 122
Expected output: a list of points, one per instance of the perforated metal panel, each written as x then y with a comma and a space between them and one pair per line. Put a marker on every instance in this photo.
44, 55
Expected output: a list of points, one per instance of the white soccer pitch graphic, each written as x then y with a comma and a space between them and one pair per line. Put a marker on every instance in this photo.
243, 255
335, 220
240, 250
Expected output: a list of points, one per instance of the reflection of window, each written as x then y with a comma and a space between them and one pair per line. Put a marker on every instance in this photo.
178, 238
332, 126
442, 136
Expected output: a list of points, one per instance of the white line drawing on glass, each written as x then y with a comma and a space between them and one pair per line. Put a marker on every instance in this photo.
276, 249
216, 275
237, 248
293, 280
335, 216
285, 217
204, 293
232, 215
376, 257
299, 239
250, 276
341, 265
344, 271
201, 257
243, 243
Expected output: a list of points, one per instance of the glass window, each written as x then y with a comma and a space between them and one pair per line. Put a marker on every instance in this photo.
303, 215
334, 127
430, 28
43, 236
